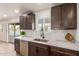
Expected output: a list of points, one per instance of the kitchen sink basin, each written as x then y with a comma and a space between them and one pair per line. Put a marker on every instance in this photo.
42, 40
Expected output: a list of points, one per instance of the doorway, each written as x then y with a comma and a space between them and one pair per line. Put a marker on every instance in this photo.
14, 31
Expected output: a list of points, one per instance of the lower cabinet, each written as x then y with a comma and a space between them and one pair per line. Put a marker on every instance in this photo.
17, 45
26, 48
42, 51
36, 49
32, 50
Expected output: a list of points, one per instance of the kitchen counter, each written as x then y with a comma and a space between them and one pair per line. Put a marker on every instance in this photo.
57, 43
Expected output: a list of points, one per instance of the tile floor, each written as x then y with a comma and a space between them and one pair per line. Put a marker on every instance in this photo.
7, 49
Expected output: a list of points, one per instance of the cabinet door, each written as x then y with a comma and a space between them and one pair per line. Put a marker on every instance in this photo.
56, 17
27, 22
17, 45
32, 50
21, 22
69, 16
54, 53
58, 53
31, 22
36, 49
42, 51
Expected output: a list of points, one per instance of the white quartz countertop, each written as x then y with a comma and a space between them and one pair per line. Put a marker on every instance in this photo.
57, 43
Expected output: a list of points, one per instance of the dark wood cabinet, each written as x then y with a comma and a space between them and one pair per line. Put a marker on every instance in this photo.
36, 49
27, 22
32, 50
57, 51
64, 16
22, 22
69, 16
56, 17
17, 45
42, 51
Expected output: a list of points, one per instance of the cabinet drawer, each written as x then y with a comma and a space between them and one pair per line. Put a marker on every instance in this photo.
38, 45
64, 51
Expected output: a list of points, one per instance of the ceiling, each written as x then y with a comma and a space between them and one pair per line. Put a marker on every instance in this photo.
8, 10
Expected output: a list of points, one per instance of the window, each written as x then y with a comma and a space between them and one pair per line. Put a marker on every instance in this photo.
14, 29
46, 23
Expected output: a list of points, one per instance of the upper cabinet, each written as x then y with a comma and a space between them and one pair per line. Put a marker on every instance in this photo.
64, 16
27, 22
56, 17
69, 16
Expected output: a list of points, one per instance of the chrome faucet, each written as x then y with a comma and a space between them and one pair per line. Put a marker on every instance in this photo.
42, 32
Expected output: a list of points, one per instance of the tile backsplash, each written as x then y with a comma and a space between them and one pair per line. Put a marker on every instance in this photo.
53, 35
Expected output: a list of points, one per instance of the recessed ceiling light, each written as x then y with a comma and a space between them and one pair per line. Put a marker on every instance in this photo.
16, 11
4, 15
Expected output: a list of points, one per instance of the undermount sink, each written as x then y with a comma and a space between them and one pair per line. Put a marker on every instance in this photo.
42, 40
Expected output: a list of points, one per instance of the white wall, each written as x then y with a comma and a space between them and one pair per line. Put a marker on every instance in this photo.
11, 20
14, 20
4, 33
